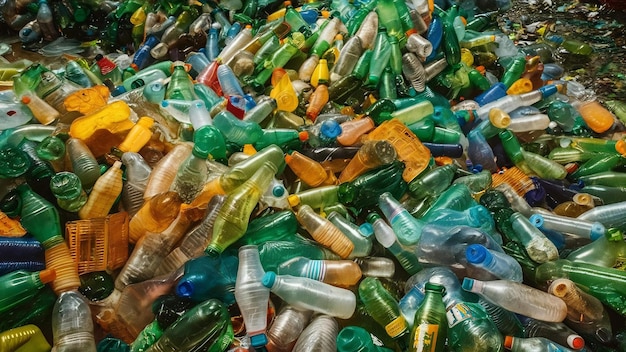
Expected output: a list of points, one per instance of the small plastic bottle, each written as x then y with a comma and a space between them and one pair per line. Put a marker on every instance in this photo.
324, 232
43, 112
83, 161
137, 174
341, 273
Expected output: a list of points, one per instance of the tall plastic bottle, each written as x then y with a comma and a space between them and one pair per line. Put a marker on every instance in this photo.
341, 273
430, 330
387, 238
519, 298
520, 344
164, 172
104, 193
305, 293
286, 328
137, 174
252, 295
72, 326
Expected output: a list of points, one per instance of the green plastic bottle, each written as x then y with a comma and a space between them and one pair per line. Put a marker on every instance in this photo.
203, 326
20, 286
383, 307
430, 328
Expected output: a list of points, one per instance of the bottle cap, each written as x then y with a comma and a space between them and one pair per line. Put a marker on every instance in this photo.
468, 284
26, 99
477, 254
268, 279
575, 341
349, 339
184, 288
303, 136
47, 275
598, 230
293, 200
366, 229
258, 340
508, 342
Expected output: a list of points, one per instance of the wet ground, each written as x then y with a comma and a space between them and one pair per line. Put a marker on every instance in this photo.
600, 25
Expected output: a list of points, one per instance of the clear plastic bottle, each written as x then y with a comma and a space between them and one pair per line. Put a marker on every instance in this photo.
286, 328
164, 172
72, 326
104, 193
499, 264
519, 298
538, 246
83, 161
319, 336
305, 293
137, 174
585, 313
341, 273
387, 238
376, 266
520, 344
252, 295
407, 228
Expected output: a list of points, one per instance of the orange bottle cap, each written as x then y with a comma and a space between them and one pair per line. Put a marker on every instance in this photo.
303, 136
47, 275
508, 342
26, 99
288, 158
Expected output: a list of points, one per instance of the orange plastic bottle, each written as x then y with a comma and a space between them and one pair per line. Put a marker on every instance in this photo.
324, 232
371, 155
106, 190
164, 173
318, 99
351, 131
155, 215
43, 112
309, 171
596, 116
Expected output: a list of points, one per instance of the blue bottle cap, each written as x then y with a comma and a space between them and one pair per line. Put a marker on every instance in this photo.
268, 279
366, 229
119, 90
597, 230
184, 288
258, 340
549, 90
536, 220
477, 254
330, 129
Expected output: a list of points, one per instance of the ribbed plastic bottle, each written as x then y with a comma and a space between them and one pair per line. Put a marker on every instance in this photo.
341, 273
24, 338
319, 336
286, 328
72, 326
324, 232
137, 174
104, 194
83, 161
252, 295
305, 293
519, 298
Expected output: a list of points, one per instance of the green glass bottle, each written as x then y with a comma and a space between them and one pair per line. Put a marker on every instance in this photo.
451, 46
430, 327
203, 325
383, 307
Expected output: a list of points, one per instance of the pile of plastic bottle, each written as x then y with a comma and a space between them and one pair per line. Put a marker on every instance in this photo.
343, 176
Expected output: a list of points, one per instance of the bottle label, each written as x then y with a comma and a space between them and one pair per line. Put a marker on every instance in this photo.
426, 338
458, 314
396, 327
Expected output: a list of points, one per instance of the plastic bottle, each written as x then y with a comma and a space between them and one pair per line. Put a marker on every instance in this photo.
381, 305
66, 186
72, 326
164, 172
585, 313
24, 338
286, 328
518, 344
324, 232
106, 190
201, 326
429, 331
252, 295
341, 273
519, 298
232, 219
137, 174
539, 248
154, 216
387, 238
355, 338
605, 251
46, 22
376, 266
360, 237
83, 162
499, 264
320, 335
305, 293
557, 332
407, 228
21, 286
43, 112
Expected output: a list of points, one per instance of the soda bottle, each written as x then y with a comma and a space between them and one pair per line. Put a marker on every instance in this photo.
429, 331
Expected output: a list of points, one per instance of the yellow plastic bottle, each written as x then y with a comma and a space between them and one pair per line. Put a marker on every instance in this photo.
138, 136
106, 190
